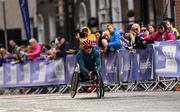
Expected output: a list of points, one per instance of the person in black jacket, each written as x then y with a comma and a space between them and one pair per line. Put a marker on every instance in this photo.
13, 46
63, 47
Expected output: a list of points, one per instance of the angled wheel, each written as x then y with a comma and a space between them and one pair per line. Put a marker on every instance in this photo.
74, 84
99, 87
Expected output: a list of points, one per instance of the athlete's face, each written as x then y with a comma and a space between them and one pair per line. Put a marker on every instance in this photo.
88, 49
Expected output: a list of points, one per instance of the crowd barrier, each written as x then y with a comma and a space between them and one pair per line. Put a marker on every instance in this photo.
148, 68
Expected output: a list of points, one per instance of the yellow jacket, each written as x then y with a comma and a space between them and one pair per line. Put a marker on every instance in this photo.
89, 36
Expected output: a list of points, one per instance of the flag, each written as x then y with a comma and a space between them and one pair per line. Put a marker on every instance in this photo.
25, 16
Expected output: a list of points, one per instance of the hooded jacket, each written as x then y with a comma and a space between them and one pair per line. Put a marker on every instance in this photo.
114, 40
89, 36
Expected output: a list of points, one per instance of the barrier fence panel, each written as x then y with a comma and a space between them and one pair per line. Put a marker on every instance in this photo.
167, 63
168, 59
70, 62
124, 69
33, 73
127, 70
146, 63
110, 68
124, 64
142, 68
135, 67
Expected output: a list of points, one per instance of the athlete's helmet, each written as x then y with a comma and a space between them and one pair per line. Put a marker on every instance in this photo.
87, 43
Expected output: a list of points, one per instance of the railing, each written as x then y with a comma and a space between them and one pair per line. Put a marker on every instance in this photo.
156, 67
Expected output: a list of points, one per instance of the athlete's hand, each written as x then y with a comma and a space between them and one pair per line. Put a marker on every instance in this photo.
90, 75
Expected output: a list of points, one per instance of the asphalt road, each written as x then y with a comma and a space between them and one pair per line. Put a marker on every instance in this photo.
112, 102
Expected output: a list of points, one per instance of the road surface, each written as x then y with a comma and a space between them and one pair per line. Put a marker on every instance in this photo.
83, 102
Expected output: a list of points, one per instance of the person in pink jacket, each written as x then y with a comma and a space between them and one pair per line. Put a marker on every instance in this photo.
162, 34
36, 49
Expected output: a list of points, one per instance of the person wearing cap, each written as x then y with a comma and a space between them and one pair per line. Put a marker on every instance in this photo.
88, 59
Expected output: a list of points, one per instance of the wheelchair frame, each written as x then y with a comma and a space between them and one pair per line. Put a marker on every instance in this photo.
75, 83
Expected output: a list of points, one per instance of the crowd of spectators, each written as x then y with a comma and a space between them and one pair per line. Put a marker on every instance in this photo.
111, 40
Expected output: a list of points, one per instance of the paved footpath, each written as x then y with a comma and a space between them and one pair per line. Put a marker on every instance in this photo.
112, 102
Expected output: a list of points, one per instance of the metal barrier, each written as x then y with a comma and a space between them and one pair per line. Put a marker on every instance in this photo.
140, 70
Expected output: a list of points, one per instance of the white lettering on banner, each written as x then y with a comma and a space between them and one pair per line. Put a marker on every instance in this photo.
13, 75
171, 64
121, 65
112, 69
59, 71
127, 67
1, 76
161, 57
138, 60
42, 73
145, 65
26, 73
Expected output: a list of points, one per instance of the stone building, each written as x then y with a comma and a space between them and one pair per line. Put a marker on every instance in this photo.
10, 17
52, 18
177, 13
124, 12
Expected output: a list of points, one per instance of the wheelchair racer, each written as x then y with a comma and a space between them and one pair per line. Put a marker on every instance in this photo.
89, 60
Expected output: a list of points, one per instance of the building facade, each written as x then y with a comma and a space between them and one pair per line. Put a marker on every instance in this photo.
122, 12
177, 13
52, 18
11, 20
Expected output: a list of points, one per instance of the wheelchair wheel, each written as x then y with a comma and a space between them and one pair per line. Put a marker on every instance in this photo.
99, 87
74, 84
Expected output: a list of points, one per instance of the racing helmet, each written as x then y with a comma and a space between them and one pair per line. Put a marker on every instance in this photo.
87, 43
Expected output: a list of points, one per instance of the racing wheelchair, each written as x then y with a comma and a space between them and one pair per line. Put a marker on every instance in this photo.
95, 81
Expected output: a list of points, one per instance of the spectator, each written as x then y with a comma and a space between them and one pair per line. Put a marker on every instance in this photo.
114, 40
128, 37
76, 41
103, 42
86, 33
162, 34
51, 53
3, 54
151, 29
36, 49
98, 35
14, 53
144, 31
63, 47
23, 52
169, 23
13, 46
137, 36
